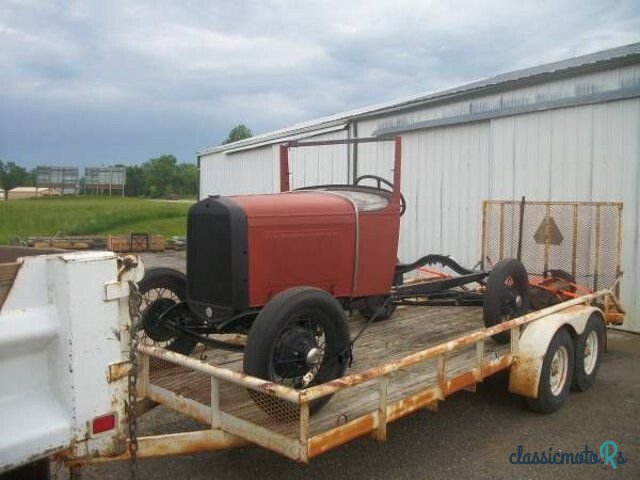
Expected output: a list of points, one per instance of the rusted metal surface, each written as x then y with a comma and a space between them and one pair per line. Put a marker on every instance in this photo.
237, 378
172, 444
340, 435
427, 398
266, 438
118, 370
184, 405
527, 381
368, 375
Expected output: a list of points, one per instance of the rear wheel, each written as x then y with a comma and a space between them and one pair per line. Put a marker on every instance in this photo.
372, 304
589, 350
556, 375
507, 295
299, 340
163, 292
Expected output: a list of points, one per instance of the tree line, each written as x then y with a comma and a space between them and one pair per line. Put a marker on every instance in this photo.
158, 177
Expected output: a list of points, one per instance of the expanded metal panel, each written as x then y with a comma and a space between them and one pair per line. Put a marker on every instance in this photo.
580, 238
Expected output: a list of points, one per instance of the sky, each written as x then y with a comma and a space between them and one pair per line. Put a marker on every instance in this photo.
97, 83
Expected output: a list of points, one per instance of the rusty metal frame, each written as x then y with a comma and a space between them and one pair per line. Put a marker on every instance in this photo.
229, 431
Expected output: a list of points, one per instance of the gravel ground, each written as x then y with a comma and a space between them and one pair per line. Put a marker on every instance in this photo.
471, 436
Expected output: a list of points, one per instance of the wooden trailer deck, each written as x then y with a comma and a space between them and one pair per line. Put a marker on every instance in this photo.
412, 361
410, 330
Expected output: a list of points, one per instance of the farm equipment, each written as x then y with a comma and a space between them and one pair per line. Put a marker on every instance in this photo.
283, 269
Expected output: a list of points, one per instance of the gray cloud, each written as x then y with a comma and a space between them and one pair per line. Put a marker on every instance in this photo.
103, 82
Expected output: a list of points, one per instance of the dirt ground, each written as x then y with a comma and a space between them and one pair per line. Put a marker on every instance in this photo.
471, 436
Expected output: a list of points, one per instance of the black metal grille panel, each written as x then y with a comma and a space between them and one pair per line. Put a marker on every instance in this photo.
209, 270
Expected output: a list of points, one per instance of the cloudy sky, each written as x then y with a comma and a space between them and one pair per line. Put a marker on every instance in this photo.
93, 83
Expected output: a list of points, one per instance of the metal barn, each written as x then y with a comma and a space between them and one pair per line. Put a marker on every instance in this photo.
565, 131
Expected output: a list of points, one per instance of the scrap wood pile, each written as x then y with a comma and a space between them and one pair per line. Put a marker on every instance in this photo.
134, 242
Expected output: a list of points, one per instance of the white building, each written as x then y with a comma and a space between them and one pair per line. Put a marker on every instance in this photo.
565, 131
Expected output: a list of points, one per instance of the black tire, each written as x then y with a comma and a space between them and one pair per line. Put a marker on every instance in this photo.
372, 304
555, 384
294, 318
506, 296
589, 351
161, 289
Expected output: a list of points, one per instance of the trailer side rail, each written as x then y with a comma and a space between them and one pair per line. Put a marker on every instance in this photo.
278, 418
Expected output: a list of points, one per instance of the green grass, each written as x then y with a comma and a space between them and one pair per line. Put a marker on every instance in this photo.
90, 216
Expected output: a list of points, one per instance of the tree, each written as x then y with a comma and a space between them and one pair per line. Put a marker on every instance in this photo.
12, 176
239, 132
160, 175
134, 183
187, 179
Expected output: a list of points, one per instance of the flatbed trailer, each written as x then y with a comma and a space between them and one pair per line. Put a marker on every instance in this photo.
410, 362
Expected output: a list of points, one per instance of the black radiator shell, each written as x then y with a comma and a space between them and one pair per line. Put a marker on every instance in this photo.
217, 268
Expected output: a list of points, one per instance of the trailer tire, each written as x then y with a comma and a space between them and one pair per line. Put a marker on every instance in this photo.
589, 351
506, 296
284, 340
163, 279
556, 374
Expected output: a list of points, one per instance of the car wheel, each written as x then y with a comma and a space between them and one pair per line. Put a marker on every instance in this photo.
299, 339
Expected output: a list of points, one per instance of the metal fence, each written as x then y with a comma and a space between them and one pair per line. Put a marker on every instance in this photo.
583, 239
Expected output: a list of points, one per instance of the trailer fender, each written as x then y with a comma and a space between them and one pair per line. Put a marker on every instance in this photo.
524, 376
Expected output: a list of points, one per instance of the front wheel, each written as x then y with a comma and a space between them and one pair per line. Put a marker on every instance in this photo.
163, 292
299, 339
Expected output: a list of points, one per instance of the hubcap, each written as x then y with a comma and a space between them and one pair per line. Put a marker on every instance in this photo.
299, 353
558, 371
518, 301
590, 352
154, 323
313, 357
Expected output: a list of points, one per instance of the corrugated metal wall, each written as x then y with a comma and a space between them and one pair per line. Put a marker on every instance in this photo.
257, 170
249, 171
586, 153
318, 166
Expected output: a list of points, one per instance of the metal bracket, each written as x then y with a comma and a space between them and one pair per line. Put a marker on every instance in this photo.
115, 290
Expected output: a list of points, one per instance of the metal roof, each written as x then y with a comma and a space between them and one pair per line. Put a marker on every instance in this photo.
594, 61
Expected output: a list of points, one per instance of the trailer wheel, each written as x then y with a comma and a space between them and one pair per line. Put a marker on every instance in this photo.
555, 378
372, 304
506, 296
162, 289
298, 340
589, 350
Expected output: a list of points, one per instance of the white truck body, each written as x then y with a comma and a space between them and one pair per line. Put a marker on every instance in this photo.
63, 356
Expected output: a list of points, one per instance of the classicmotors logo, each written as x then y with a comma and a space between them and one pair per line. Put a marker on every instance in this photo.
607, 453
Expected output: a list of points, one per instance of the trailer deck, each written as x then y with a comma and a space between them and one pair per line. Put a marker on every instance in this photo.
410, 362
411, 330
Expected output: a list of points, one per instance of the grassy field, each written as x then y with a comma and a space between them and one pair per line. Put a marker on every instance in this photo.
90, 216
